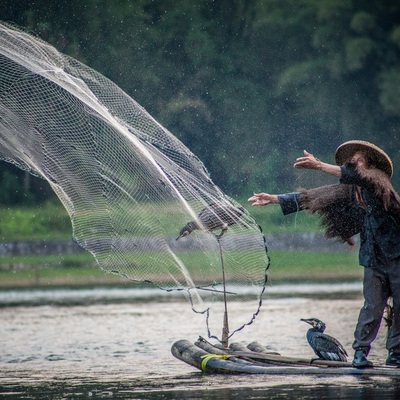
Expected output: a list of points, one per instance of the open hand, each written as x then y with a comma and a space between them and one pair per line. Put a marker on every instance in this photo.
262, 199
308, 161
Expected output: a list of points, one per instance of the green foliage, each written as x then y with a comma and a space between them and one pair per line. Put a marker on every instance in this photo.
51, 221
363, 22
273, 222
245, 84
358, 52
45, 221
12, 190
71, 261
389, 96
395, 36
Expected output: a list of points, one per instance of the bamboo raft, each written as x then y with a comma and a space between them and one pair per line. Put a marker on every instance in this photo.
256, 359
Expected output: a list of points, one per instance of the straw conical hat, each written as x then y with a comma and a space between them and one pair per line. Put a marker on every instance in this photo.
378, 157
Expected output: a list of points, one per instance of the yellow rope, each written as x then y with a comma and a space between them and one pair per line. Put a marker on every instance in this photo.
208, 357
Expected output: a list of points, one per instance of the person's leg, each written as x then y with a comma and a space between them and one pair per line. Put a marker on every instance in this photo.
376, 292
393, 339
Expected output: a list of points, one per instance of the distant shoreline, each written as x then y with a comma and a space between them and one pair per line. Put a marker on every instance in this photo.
71, 277
61, 263
286, 241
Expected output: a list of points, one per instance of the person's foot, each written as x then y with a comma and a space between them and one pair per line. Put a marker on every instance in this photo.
393, 359
360, 360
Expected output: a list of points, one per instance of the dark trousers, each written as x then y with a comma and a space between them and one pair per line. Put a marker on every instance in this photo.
379, 285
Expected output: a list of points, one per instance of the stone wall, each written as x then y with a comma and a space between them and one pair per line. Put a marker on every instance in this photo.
289, 242
39, 247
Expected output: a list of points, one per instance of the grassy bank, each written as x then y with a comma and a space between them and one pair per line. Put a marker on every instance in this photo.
302, 266
45, 221
50, 221
81, 270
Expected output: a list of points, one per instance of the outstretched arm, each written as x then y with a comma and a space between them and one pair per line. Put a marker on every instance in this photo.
308, 161
289, 202
262, 199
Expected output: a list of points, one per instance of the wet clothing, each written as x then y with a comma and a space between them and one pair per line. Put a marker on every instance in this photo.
379, 284
380, 233
379, 253
290, 202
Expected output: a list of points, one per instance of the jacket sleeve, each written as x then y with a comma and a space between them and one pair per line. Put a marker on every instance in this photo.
290, 202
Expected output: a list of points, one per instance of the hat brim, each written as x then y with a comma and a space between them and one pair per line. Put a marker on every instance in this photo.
378, 157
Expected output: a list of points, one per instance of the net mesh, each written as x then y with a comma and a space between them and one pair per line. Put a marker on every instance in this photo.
128, 185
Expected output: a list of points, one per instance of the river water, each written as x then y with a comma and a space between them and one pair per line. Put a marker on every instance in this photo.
115, 343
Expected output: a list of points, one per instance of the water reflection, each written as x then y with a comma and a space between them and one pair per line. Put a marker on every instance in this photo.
119, 347
361, 389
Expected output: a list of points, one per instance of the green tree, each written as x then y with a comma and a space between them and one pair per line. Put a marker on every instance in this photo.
245, 84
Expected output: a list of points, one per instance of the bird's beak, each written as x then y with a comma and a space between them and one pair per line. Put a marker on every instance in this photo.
306, 321
183, 234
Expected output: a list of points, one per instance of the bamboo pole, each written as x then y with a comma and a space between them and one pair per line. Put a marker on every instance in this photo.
211, 363
270, 358
225, 324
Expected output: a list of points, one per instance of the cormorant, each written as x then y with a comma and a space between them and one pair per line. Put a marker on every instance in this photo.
214, 216
325, 347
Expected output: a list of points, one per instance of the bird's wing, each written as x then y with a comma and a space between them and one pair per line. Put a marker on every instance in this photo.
220, 216
210, 218
229, 213
329, 348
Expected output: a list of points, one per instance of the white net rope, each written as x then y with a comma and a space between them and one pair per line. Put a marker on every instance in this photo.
128, 185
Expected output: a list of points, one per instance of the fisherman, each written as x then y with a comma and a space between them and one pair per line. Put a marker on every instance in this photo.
364, 202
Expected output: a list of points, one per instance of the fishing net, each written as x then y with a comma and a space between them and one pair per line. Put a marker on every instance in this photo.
128, 185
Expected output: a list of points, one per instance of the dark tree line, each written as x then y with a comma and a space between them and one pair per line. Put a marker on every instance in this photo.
245, 84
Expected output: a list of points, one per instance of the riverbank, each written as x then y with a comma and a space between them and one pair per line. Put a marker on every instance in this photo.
49, 263
68, 278
307, 241
286, 266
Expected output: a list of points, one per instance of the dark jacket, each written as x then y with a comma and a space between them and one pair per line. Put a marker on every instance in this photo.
380, 233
